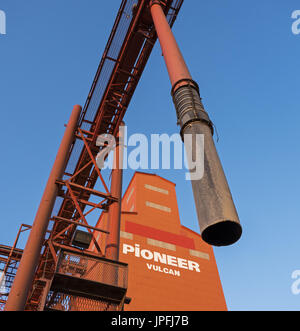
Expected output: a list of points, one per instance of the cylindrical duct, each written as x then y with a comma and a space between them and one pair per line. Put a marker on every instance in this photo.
114, 212
218, 219
26, 271
217, 216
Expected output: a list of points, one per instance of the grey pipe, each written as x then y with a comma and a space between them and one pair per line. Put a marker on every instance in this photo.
218, 219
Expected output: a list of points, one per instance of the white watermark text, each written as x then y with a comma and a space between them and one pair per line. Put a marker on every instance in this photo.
2, 22
296, 23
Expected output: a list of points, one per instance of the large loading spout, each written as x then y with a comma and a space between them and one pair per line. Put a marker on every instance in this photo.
218, 219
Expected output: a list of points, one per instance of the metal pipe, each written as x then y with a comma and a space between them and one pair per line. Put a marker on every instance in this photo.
114, 212
217, 216
175, 62
28, 264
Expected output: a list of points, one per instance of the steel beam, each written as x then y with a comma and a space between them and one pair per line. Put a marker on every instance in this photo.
26, 271
103, 112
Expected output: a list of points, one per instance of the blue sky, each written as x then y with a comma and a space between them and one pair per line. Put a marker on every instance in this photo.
246, 60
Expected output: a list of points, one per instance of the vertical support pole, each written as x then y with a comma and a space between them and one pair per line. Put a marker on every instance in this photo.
110, 273
217, 216
114, 213
30, 258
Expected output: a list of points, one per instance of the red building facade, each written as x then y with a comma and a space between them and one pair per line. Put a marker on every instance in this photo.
170, 267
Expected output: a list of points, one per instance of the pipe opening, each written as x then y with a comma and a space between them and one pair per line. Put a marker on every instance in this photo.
222, 234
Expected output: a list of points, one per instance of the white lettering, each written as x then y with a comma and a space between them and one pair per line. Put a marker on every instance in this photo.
128, 321
166, 141
163, 270
194, 160
137, 250
296, 284
2, 283
296, 24
127, 249
193, 265
147, 255
140, 152
172, 261
182, 263
161, 258
2, 22
104, 158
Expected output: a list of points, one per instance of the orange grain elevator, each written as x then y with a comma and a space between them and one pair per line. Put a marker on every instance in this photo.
170, 268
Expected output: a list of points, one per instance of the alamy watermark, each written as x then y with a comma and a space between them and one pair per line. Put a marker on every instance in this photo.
296, 23
161, 151
2, 283
2, 22
296, 284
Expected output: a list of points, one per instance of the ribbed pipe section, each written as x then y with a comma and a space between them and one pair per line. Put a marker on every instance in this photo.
188, 104
218, 219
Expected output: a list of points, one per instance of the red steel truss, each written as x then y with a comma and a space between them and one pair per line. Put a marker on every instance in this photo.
9, 262
129, 46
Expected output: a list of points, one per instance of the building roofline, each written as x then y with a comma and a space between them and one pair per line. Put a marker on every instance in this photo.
148, 174
152, 174
194, 232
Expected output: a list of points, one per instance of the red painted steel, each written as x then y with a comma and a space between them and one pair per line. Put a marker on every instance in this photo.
126, 54
217, 216
9, 262
137, 26
25, 274
175, 62
160, 235
114, 212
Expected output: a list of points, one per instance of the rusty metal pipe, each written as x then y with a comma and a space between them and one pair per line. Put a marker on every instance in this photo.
28, 264
175, 62
218, 220
114, 212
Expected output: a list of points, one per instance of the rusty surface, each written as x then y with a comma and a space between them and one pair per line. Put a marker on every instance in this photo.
10, 257
30, 258
129, 46
217, 216
114, 212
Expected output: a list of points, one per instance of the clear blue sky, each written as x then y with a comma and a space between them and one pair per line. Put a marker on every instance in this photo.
246, 60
